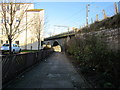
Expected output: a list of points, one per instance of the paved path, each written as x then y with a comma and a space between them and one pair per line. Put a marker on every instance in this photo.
55, 72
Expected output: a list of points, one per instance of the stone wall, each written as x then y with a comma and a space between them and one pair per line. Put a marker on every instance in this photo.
110, 36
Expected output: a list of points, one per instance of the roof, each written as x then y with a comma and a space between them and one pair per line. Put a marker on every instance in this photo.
34, 10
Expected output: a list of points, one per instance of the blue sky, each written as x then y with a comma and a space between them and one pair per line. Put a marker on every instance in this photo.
72, 14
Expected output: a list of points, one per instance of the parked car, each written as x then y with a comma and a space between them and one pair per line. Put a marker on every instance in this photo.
15, 48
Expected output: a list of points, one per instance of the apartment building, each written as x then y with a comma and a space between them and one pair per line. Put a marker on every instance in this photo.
32, 22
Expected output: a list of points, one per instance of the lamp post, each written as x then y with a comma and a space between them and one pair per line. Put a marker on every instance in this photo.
26, 33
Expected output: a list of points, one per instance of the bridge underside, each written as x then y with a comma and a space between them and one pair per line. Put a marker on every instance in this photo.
58, 44
54, 44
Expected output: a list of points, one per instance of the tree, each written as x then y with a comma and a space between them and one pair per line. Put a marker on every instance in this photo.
13, 19
38, 26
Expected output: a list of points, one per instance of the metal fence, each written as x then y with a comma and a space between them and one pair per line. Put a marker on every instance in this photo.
12, 65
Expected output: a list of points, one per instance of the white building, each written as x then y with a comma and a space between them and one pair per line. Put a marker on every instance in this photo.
32, 20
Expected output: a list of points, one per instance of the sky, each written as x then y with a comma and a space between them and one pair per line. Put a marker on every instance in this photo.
71, 14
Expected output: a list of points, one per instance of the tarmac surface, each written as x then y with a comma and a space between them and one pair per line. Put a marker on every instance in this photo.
55, 72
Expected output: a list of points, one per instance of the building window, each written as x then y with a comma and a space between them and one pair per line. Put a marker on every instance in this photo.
18, 7
6, 41
7, 20
8, 7
2, 31
17, 42
17, 20
2, 20
1, 41
42, 43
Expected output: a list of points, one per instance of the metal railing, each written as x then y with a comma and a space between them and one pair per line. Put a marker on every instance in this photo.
12, 65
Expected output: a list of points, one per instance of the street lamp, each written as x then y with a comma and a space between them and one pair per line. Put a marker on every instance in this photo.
26, 33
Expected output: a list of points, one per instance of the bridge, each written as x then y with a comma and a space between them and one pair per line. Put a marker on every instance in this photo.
58, 41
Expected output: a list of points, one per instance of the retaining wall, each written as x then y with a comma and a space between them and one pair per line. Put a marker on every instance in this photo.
110, 36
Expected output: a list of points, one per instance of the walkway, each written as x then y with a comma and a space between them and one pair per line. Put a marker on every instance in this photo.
55, 72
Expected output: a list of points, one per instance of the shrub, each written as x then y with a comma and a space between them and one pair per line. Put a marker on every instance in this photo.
94, 56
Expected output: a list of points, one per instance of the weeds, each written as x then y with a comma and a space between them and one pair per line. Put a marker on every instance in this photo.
95, 58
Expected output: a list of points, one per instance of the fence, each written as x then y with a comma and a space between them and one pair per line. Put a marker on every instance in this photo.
12, 65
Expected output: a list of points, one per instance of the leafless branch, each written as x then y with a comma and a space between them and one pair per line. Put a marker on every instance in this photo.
10, 12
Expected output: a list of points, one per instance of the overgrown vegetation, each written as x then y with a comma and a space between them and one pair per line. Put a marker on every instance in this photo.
95, 60
110, 22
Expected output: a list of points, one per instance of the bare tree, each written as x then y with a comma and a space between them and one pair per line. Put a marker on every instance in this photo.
38, 28
13, 15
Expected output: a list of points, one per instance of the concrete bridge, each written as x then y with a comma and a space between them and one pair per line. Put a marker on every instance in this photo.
58, 41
